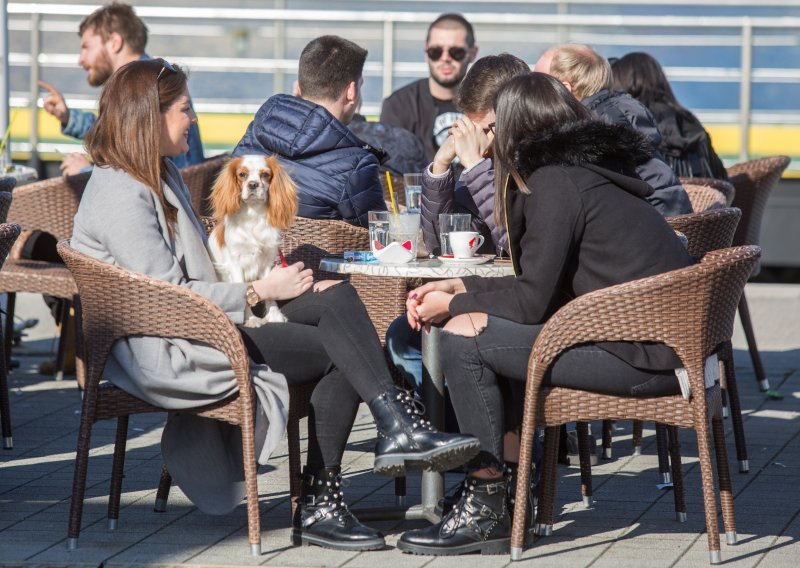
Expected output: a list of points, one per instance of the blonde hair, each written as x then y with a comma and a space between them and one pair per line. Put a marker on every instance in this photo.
582, 67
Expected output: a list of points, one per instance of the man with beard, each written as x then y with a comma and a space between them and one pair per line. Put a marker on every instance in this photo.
111, 36
425, 107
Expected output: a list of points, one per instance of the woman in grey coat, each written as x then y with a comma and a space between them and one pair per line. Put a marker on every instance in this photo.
136, 213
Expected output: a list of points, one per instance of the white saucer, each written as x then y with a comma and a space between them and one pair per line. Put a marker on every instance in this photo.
478, 259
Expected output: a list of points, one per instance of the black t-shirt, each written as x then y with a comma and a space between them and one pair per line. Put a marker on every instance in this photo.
446, 115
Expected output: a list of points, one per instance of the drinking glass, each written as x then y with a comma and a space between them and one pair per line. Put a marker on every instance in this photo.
378, 229
404, 230
448, 223
413, 187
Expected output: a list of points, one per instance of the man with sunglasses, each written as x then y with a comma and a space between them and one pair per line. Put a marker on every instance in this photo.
426, 107
111, 36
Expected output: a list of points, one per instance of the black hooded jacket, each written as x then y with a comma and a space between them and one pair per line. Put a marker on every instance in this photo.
585, 225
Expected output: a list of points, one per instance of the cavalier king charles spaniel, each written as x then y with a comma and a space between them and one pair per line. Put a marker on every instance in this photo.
253, 200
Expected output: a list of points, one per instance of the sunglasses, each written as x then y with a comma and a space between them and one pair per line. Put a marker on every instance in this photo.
490, 127
456, 53
165, 66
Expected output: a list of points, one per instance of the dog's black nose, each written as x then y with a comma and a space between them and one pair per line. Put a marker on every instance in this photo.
252, 185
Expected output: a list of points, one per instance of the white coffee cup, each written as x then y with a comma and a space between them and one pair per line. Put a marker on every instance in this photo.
465, 243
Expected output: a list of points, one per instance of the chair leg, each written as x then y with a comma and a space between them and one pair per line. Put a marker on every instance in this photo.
400, 491
608, 431
8, 337
295, 485
636, 439
747, 324
709, 492
162, 495
545, 510
117, 469
5, 406
725, 485
677, 473
729, 385
81, 466
251, 484
662, 446
80, 365
584, 455
62, 340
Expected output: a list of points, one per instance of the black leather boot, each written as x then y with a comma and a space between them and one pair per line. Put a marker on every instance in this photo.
479, 522
322, 516
531, 498
407, 441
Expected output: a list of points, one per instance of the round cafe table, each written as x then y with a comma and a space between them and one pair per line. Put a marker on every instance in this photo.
432, 377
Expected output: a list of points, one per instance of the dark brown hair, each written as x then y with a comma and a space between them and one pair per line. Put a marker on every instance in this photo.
117, 18
641, 75
483, 80
127, 134
327, 65
453, 21
524, 104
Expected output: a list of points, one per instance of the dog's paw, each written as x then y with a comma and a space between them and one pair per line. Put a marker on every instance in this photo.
274, 315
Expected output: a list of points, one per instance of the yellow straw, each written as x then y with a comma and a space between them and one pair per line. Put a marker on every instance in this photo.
8, 130
391, 192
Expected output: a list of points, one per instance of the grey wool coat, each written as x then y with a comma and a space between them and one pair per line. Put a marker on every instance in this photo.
120, 221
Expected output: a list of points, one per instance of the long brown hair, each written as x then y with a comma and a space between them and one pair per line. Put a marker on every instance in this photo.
527, 103
127, 134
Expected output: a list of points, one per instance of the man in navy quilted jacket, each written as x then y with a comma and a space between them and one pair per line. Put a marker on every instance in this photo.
336, 173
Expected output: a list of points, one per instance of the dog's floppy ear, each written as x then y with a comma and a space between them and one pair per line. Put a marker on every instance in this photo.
282, 200
226, 195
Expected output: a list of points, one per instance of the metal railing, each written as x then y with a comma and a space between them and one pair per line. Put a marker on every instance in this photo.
389, 29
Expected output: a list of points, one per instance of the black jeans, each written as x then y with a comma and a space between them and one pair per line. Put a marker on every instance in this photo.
476, 369
329, 338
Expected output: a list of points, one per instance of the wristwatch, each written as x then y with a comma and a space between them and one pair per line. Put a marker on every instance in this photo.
252, 296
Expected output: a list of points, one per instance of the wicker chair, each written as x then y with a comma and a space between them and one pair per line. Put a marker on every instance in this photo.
754, 181
704, 197
706, 231
725, 187
8, 234
116, 303
48, 206
199, 178
691, 310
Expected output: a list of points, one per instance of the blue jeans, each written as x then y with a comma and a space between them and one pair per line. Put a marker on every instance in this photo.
405, 350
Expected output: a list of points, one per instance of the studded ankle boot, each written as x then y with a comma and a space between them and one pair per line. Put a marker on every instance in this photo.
531, 498
322, 516
407, 441
479, 522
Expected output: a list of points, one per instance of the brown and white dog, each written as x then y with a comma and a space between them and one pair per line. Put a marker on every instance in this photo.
253, 200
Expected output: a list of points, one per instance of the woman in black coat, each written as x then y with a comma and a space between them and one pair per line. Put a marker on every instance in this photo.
577, 221
685, 144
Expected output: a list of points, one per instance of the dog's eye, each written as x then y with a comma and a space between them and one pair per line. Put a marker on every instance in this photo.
266, 175
242, 175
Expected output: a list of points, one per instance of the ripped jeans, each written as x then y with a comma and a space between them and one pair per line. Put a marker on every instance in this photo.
476, 369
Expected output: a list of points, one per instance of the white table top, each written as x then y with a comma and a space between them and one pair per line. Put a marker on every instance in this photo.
427, 268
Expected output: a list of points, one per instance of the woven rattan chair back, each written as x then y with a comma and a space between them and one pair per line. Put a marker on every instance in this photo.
754, 181
692, 310
725, 187
8, 234
707, 230
116, 303
48, 205
5, 205
200, 178
703, 197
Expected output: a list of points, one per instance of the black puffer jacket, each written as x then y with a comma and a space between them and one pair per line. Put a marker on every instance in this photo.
585, 225
685, 144
618, 107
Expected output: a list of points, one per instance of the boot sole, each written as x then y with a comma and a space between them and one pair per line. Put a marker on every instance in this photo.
499, 546
304, 539
437, 459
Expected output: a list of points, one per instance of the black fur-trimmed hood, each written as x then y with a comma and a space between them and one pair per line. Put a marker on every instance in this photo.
617, 147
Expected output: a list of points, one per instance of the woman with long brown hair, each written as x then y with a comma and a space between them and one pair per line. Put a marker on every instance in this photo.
577, 220
136, 213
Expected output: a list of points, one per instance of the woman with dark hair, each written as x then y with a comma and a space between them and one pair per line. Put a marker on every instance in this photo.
136, 213
685, 144
577, 221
